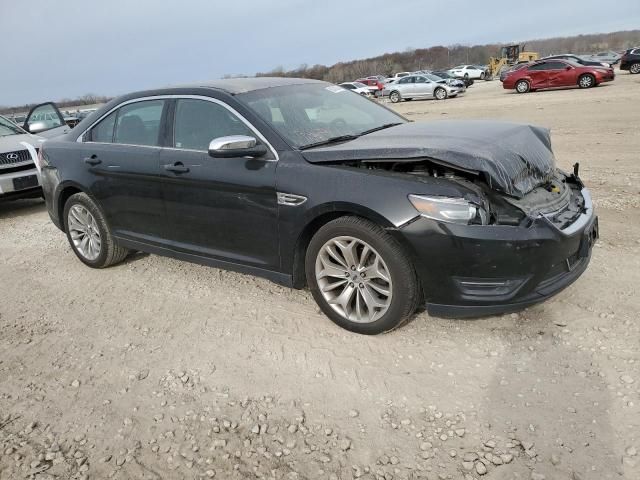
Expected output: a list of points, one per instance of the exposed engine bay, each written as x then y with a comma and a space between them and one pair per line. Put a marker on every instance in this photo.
558, 198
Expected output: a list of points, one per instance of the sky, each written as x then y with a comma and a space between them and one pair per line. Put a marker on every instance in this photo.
67, 48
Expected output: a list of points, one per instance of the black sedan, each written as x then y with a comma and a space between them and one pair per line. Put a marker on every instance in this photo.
306, 183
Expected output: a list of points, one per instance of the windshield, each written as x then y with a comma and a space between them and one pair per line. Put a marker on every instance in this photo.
310, 114
7, 127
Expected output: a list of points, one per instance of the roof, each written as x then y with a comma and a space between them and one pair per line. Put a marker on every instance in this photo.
243, 85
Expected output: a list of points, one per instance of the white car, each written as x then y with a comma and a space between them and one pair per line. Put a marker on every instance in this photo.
468, 71
397, 76
357, 87
19, 177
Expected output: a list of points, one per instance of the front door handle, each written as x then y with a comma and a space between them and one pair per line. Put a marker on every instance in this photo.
92, 160
177, 167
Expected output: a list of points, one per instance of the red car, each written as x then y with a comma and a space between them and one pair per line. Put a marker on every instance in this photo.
374, 84
556, 73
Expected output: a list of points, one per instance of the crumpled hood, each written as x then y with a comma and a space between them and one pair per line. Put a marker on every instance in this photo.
513, 158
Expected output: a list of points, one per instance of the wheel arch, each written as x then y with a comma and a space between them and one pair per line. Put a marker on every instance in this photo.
64, 192
320, 216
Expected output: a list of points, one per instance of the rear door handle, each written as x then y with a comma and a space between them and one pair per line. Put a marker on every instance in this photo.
177, 167
92, 160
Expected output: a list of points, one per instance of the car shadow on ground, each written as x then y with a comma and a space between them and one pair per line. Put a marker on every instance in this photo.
17, 208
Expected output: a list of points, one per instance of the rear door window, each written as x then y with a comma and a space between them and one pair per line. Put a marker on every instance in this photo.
139, 123
539, 66
555, 66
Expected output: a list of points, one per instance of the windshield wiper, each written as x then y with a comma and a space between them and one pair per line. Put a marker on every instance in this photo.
381, 127
328, 141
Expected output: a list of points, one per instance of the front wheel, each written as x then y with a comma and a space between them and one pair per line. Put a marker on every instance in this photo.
586, 81
360, 276
522, 86
482, 75
395, 97
440, 94
89, 234
634, 68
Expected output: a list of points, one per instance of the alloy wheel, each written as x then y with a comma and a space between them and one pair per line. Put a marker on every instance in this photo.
84, 232
395, 97
586, 81
441, 94
635, 68
354, 279
522, 87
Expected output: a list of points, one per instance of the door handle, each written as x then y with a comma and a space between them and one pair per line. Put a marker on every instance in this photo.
92, 160
177, 167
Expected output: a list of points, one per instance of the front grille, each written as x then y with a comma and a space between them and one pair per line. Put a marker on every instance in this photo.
9, 159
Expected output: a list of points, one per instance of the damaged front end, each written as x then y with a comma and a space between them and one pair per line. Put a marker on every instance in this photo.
482, 251
561, 199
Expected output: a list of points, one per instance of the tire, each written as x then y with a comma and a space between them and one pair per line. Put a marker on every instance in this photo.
586, 81
353, 234
466, 76
440, 93
482, 75
634, 68
82, 215
522, 86
395, 96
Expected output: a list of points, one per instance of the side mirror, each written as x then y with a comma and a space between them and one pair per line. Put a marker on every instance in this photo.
236, 146
569, 67
37, 127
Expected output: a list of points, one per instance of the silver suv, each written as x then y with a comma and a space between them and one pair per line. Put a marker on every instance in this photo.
19, 176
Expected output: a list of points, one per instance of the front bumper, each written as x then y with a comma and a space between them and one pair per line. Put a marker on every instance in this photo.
11, 188
472, 271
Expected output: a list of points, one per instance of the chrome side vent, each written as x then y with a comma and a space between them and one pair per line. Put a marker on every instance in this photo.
290, 200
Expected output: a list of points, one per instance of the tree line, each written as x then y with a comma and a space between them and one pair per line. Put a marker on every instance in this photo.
88, 99
443, 57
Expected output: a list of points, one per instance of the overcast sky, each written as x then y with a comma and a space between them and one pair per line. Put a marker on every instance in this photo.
67, 48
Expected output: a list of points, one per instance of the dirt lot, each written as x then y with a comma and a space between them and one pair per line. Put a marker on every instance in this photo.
162, 369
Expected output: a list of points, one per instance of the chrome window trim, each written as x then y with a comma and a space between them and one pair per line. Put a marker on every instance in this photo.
179, 97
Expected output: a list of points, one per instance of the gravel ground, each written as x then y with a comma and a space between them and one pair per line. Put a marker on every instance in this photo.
161, 369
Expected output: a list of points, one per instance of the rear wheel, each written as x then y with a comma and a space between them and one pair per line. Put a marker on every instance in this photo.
586, 81
360, 276
440, 93
89, 234
522, 86
634, 68
395, 97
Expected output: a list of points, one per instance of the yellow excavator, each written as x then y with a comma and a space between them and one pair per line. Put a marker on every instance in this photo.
509, 56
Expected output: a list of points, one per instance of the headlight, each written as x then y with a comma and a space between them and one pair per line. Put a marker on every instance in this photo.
449, 210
